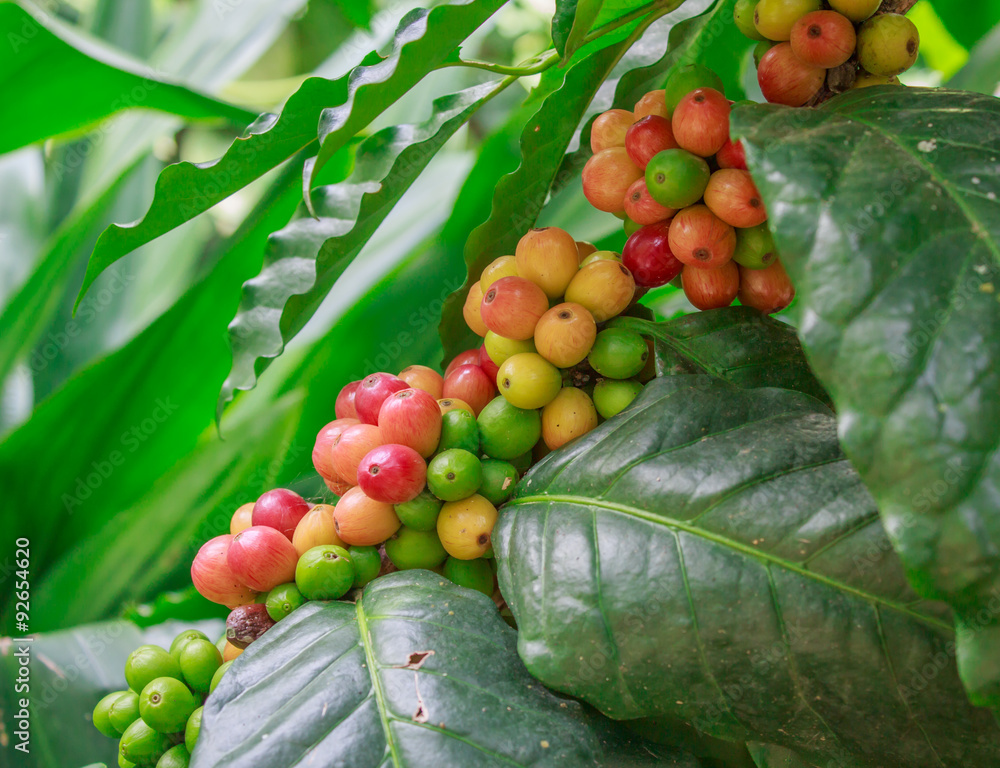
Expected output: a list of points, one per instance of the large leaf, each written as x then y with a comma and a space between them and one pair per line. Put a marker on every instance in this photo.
418, 673
885, 207
711, 556
982, 72
770, 756
45, 62
571, 22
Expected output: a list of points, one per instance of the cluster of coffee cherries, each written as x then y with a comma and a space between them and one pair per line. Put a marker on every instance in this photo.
159, 717
802, 41
690, 206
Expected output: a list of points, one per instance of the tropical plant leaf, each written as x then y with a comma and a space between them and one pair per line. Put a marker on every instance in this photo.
304, 260
770, 756
982, 71
967, 21
571, 22
711, 556
46, 62
419, 672
885, 207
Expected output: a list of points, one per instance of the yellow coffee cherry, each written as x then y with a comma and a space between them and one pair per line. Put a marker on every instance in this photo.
569, 416
465, 527
472, 310
316, 528
505, 266
499, 348
565, 334
888, 44
549, 258
601, 256
604, 287
528, 381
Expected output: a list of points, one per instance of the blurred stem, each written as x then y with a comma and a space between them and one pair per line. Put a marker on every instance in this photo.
532, 66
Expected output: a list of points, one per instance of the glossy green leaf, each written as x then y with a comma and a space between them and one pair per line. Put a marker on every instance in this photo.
44, 62
304, 260
885, 208
571, 22
710, 555
419, 672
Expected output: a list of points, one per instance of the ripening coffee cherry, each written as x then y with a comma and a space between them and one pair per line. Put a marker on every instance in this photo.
584, 249
528, 380
682, 80
733, 197
325, 573
465, 527
867, 79
214, 579
242, 518
507, 432
409, 549
653, 103
647, 137
362, 521
411, 417
642, 208
700, 238
316, 528
755, 247
565, 334
350, 448
732, 155
784, 79
608, 129
612, 396
499, 480
468, 357
711, 288
471, 310
141, 745
486, 362
280, 509
569, 416
374, 390
770, 290
823, 39
322, 453
499, 348
677, 178
471, 384
392, 473
856, 10
607, 177
888, 44
512, 306
504, 266
447, 404
367, 563
454, 474
604, 288
420, 513
423, 378
262, 558
647, 254
231, 652
166, 703
701, 122
471, 574
743, 15
459, 430
548, 258
344, 408
774, 18
601, 256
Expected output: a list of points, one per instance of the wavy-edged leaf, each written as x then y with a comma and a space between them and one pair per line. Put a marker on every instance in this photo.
418, 673
45, 62
304, 260
710, 555
886, 209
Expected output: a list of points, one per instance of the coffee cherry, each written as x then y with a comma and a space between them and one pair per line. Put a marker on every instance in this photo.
888, 44
867, 79
486, 362
700, 238
676, 178
743, 15
647, 137
242, 518
823, 39
447, 404
411, 417
409, 549
351, 447
608, 129
392, 473
565, 334
468, 357
282, 600
612, 396
528, 380
701, 122
471, 384
471, 310
148, 662
459, 430
856, 10
683, 80
362, 521
178, 756
367, 564
262, 558
472, 574
770, 290
630, 227
603, 288
711, 288
504, 266
642, 208
774, 18
584, 249
324, 573
618, 353
600, 256
465, 527
653, 103
499, 348
647, 254
420, 513
374, 390
322, 453
216, 679
548, 258
733, 197
454, 474
507, 432
141, 745
607, 177
570, 415
754, 247
199, 660
166, 703
784, 79
732, 155
280, 509
512, 306
423, 378
230, 652
124, 711
499, 481
316, 528
214, 579
760, 49
345, 408
101, 717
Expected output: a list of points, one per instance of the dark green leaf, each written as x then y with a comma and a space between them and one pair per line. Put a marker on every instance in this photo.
571, 22
770, 756
968, 21
710, 555
885, 208
982, 72
418, 673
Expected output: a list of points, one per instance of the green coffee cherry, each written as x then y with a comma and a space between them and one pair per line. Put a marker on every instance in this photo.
522, 463
421, 513
142, 745
122, 762
165, 704
367, 563
193, 727
630, 227
612, 396
685, 79
282, 600
199, 661
175, 757
221, 644
499, 481
507, 432
183, 639
148, 662
888, 44
677, 178
454, 474
324, 573
415, 549
124, 711
760, 49
743, 16
755, 247
471, 574
217, 677
102, 715
459, 430
618, 353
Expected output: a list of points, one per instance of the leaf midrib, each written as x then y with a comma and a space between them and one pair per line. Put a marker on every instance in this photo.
373, 673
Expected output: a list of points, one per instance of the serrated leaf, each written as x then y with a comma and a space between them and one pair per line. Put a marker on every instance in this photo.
304, 260
710, 555
885, 209
419, 672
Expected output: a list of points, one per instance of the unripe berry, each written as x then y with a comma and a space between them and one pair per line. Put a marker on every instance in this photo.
569, 416
454, 404
755, 247
784, 79
262, 558
411, 417
374, 390
760, 49
711, 288
350, 448
528, 381
677, 178
584, 249
602, 256
823, 39
769, 290
888, 44
774, 18
499, 348
612, 396
642, 208
363, 522
547, 257
647, 137
423, 378
280, 509
465, 527
607, 177
471, 310
344, 407
565, 334
701, 122
512, 306
732, 155
322, 453
682, 80
618, 353
700, 238
409, 548
603, 287
743, 14
653, 103
507, 432
608, 129
468, 357
856, 10
471, 384
647, 254
315, 529
242, 518
733, 197
504, 266
214, 579
392, 473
